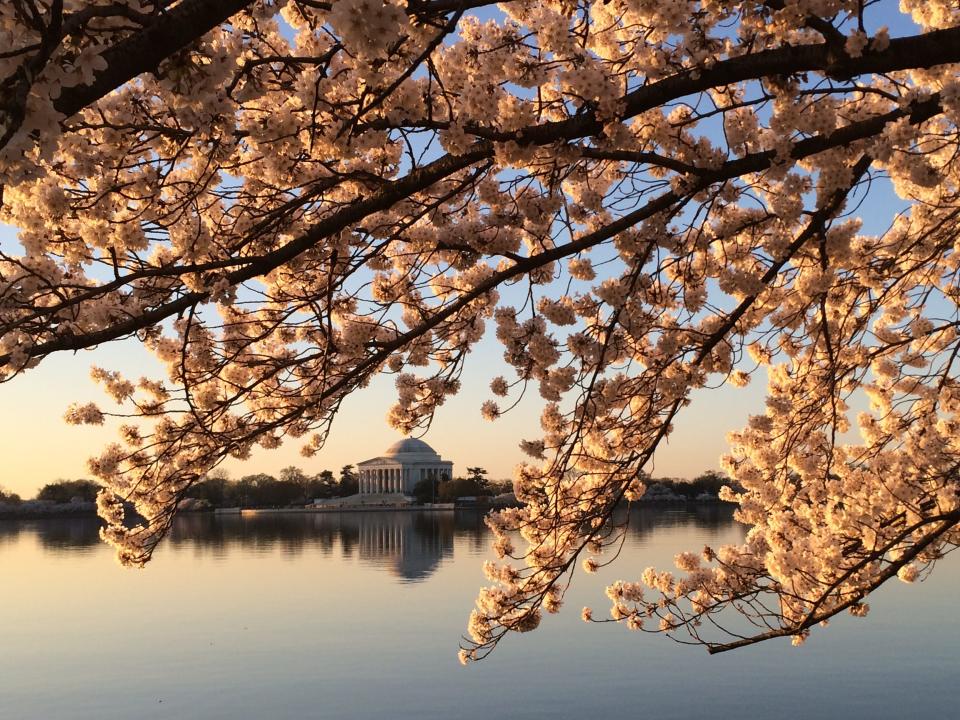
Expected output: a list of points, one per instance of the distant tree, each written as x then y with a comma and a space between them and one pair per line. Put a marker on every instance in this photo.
293, 474
220, 474
268, 491
323, 485
214, 488
462, 487
263, 490
326, 476
298, 478
244, 491
427, 490
710, 482
349, 484
64, 491
499, 487
9, 498
477, 474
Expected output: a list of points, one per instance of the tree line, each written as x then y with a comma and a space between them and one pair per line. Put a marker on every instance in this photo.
59, 492
294, 487
707, 483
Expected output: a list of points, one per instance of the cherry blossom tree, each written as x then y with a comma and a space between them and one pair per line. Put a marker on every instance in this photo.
282, 199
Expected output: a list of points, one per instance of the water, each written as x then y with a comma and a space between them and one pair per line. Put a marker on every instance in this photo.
359, 616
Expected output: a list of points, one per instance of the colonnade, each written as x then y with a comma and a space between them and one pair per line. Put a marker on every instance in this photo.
395, 479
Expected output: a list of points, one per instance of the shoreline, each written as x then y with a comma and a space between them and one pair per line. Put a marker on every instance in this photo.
343, 509
82, 512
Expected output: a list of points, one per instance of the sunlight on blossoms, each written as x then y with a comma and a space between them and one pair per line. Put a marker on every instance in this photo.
640, 202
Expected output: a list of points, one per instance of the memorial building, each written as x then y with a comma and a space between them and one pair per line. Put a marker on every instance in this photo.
402, 466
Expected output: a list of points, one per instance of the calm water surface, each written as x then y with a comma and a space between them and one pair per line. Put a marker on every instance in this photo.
359, 615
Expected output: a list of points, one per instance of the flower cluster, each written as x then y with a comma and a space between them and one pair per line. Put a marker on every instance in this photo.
283, 199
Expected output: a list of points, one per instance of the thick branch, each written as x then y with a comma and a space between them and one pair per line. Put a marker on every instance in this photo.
422, 178
143, 51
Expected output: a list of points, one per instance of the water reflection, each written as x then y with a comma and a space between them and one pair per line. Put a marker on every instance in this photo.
57, 534
712, 517
291, 617
409, 545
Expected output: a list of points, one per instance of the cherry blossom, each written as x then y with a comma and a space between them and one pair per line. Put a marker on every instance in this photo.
282, 199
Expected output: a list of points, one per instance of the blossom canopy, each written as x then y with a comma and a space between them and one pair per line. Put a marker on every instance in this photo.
641, 199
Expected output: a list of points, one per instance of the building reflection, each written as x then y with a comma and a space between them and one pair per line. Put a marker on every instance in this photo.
408, 545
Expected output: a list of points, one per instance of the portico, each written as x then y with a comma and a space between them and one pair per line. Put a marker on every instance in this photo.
404, 464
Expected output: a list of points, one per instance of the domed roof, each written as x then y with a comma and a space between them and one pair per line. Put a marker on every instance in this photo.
410, 445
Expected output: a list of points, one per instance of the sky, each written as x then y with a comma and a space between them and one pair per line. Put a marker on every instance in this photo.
37, 446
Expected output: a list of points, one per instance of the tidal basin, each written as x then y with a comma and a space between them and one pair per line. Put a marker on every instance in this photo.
358, 615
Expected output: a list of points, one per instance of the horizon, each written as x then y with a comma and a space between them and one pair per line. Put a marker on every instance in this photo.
41, 395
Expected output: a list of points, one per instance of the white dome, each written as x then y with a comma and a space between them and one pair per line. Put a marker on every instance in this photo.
410, 445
